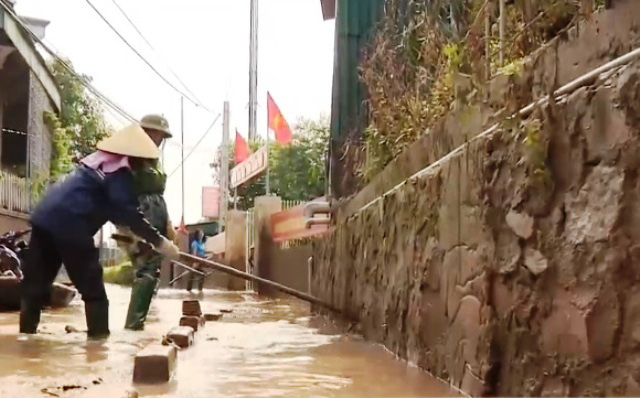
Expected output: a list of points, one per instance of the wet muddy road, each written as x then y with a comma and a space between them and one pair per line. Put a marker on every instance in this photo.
262, 349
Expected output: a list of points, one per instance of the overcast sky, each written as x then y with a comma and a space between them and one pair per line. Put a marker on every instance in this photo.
207, 43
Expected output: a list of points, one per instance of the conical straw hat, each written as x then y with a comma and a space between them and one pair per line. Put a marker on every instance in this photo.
130, 141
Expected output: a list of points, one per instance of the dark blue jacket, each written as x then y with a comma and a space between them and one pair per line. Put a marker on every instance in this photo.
76, 208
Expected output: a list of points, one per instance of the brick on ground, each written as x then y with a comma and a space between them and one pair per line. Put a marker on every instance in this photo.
182, 336
191, 307
196, 322
154, 364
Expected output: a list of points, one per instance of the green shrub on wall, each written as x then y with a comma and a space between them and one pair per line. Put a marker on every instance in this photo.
61, 159
425, 54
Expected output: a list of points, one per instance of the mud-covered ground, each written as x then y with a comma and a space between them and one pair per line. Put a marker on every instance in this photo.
262, 349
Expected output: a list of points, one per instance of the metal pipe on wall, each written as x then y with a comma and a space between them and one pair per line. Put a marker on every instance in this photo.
502, 30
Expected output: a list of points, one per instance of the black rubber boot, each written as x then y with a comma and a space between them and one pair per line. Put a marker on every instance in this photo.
29, 316
141, 294
97, 316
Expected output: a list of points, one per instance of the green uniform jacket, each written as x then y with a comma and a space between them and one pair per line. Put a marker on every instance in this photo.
150, 179
149, 182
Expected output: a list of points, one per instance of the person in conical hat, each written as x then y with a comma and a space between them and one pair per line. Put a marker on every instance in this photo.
71, 213
149, 184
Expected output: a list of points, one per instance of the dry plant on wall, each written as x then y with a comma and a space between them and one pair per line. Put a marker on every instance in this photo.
424, 51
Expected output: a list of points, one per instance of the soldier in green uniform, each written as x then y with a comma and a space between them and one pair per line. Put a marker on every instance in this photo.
150, 183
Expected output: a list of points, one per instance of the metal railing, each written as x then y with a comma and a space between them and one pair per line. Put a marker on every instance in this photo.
290, 204
15, 194
110, 256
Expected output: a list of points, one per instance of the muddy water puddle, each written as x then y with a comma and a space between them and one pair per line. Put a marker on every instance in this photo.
261, 349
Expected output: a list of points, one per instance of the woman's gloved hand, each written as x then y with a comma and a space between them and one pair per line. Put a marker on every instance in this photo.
171, 232
169, 249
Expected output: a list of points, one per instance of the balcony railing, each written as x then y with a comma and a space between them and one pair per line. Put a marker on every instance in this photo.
15, 194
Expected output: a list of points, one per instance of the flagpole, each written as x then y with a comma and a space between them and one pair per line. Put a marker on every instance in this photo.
253, 70
182, 156
266, 188
224, 180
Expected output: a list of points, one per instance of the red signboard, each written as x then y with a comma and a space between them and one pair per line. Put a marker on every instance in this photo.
210, 202
250, 168
291, 224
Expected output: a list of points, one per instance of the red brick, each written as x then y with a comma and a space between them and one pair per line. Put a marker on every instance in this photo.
182, 336
191, 307
194, 321
154, 364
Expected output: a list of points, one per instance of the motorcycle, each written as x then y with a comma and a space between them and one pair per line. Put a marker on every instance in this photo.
13, 252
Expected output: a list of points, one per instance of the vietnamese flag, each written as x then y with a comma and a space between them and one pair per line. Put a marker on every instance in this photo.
277, 122
241, 149
182, 228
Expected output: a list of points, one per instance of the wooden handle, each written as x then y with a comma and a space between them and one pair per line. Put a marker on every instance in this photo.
240, 274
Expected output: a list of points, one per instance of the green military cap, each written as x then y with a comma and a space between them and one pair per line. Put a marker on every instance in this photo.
156, 122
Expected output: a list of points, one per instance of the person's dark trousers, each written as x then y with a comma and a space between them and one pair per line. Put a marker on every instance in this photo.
46, 254
195, 278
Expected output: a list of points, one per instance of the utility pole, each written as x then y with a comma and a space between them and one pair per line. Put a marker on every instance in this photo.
224, 169
253, 71
182, 149
266, 184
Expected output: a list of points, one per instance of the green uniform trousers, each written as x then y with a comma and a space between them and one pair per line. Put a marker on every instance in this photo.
146, 265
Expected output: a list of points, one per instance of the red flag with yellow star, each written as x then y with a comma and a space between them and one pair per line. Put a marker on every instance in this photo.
277, 122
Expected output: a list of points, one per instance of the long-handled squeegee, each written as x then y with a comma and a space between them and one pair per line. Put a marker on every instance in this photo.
232, 271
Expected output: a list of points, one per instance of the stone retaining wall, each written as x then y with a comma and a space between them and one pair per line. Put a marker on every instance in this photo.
511, 269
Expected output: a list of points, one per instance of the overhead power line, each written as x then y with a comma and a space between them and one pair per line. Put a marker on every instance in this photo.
160, 75
176, 144
115, 115
135, 27
83, 80
195, 146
